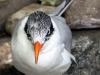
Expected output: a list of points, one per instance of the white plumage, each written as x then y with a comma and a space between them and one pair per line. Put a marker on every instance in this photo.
54, 57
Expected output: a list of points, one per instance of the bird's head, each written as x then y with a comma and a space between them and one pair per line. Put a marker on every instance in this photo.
38, 28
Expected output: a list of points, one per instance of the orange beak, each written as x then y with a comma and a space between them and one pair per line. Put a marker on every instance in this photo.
37, 48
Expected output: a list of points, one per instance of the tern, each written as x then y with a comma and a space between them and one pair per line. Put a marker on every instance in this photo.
41, 43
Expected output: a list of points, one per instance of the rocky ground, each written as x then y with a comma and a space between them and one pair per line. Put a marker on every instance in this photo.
86, 49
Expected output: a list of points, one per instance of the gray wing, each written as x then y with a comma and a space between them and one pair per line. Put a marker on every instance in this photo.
65, 31
61, 8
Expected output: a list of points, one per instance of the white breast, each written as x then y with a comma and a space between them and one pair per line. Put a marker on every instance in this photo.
54, 59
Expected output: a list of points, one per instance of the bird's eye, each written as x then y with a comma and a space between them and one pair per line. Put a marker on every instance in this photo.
48, 33
28, 35
47, 36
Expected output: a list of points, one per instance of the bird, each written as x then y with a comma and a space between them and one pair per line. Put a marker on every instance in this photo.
41, 43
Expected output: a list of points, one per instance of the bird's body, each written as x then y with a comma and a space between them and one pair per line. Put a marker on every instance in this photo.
54, 57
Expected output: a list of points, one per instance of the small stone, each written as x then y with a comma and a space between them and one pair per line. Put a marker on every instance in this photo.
5, 55
51, 2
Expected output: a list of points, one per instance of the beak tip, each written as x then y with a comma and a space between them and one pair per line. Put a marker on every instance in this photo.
36, 60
